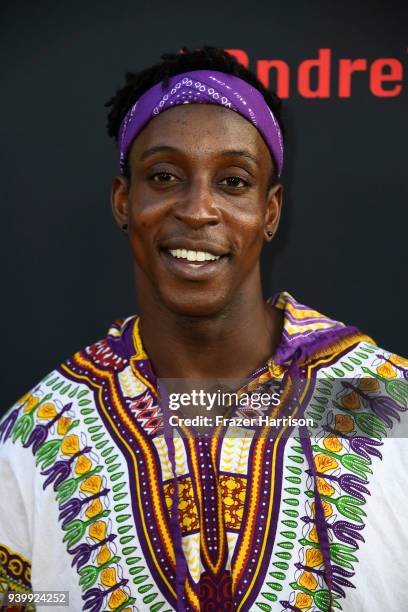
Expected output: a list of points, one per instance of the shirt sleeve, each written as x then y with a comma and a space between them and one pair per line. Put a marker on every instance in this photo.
16, 469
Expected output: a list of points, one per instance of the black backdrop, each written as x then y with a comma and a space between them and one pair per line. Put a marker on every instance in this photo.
66, 269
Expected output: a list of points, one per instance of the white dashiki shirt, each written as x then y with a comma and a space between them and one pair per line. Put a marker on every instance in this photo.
305, 519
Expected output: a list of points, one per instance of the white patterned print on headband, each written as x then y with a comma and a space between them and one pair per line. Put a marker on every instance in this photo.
187, 95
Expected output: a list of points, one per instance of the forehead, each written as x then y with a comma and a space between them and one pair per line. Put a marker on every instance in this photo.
199, 128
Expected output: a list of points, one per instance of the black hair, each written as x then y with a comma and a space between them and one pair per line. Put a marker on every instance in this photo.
206, 57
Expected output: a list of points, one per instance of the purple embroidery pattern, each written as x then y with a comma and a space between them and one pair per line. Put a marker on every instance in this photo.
82, 463
349, 438
33, 420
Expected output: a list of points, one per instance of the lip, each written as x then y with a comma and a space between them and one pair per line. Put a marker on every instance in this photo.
193, 271
193, 245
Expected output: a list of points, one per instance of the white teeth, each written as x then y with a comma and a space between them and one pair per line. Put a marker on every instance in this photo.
193, 255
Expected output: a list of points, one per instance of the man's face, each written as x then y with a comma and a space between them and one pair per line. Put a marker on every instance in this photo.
197, 208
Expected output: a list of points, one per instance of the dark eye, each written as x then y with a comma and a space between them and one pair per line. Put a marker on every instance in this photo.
233, 181
163, 177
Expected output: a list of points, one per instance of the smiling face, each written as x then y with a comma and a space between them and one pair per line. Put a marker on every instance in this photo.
198, 208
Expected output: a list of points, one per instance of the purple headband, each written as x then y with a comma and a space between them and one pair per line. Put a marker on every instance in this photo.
205, 87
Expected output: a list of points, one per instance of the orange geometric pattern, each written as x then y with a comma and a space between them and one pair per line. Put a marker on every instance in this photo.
188, 513
233, 491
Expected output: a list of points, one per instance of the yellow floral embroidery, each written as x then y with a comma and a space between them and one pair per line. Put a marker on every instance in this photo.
327, 509
108, 576
94, 508
308, 581
63, 424
303, 601
332, 443
104, 555
93, 484
117, 598
351, 401
97, 530
344, 423
324, 487
386, 370
313, 537
47, 411
369, 385
324, 463
31, 404
399, 360
314, 557
83, 464
70, 445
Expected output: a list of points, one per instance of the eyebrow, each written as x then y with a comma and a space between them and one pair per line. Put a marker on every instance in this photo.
226, 153
158, 149
242, 153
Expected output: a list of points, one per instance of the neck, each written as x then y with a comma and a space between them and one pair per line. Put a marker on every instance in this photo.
231, 344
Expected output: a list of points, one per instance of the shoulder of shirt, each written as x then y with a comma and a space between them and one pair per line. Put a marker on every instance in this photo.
60, 385
315, 336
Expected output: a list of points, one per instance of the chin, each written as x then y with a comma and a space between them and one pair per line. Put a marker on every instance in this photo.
200, 303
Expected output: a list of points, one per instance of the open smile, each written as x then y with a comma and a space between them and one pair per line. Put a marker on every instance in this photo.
194, 264
193, 256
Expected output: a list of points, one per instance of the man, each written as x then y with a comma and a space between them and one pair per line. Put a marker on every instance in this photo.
101, 499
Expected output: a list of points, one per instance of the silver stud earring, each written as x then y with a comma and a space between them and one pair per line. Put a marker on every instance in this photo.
269, 233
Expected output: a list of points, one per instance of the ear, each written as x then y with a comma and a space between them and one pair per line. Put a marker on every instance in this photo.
273, 210
120, 201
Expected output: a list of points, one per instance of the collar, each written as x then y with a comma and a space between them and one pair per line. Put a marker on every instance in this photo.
307, 335
310, 334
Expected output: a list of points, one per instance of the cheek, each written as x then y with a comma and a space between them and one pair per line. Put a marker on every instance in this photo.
142, 233
248, 232
147, 214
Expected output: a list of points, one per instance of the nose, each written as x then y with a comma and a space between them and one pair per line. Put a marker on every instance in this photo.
197, 207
